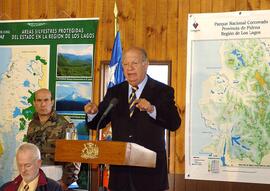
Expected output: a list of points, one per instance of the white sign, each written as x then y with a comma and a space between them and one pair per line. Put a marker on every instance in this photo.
228, 97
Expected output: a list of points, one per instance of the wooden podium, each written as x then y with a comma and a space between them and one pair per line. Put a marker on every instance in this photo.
104, 152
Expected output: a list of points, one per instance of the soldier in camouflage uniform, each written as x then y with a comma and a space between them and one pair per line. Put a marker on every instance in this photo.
44, 129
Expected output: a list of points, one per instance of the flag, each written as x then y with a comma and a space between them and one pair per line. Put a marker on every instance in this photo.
116, 74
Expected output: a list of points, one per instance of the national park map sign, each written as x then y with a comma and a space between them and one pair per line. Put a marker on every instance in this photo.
228, 97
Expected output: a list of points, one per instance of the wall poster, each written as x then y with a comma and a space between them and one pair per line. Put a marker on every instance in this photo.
57, 54
228, 97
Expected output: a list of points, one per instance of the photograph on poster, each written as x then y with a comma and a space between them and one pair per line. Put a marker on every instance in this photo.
74, 60
72, 96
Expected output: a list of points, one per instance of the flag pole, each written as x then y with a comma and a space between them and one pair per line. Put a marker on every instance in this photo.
116, 24
101, 167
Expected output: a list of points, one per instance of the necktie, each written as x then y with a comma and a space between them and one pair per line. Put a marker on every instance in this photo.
131, 100
26, 187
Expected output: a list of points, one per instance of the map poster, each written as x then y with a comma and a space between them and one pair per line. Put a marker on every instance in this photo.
228, 97
57, 54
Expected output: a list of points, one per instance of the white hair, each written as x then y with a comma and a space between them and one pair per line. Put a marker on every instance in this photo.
30, 147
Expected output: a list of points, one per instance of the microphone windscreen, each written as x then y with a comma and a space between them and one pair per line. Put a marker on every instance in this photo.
114, 101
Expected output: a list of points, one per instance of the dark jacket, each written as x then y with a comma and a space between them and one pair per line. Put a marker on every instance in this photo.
143, 130
44, 184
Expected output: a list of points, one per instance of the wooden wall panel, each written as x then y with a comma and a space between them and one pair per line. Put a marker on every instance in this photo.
150, 27
172, 54
194, 6
254, 4
241, 5
181, 82
228, 5
88, 5
265, 4
33, 11
72, 8
1, 9
140, 22
172, 38
107, 22
206, 6
217, 5
160, 27
22, 7
129, 23
14, 9
7, 10
161, 30
101, 49
61, 9
51, 9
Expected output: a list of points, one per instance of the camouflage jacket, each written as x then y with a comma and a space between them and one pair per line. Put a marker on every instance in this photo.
44, 136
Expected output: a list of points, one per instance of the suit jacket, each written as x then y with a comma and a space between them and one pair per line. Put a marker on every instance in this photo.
141, 129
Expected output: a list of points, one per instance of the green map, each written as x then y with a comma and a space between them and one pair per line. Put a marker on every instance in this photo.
235, 104
229, 114
24, 70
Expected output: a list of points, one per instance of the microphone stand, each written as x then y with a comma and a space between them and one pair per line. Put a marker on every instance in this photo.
112, 103
100, 166
89, 172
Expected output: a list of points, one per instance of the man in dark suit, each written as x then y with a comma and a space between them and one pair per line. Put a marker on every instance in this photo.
145, 125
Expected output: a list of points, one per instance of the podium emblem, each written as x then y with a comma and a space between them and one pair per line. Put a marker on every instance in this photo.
90, 151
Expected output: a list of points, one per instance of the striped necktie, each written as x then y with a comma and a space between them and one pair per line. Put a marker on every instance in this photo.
131, 100
26, 187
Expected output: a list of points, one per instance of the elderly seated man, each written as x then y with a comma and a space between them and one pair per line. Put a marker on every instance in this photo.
31, 177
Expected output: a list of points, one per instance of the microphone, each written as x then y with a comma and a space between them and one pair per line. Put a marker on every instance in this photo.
112, 103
